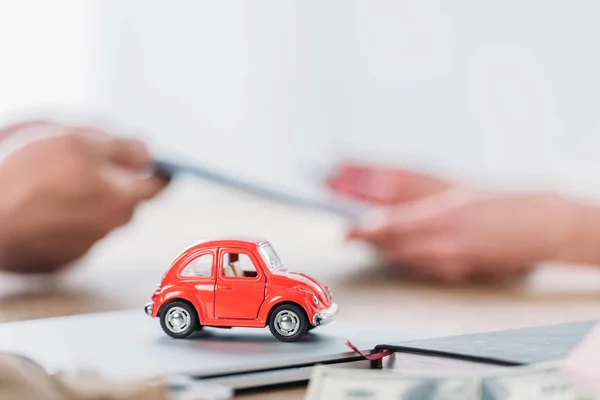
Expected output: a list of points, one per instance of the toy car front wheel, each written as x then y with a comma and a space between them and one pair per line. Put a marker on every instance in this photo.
288, 322
179, 319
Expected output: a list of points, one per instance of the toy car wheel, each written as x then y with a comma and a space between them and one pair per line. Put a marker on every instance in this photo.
288, 322
179, 319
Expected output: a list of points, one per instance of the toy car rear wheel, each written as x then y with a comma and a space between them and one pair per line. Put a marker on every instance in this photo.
179, 319
288, 322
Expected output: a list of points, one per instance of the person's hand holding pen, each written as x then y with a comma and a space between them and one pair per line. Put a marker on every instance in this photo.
442, 229
60, 195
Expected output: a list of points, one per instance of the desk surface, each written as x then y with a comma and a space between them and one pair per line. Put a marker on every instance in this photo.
123, 271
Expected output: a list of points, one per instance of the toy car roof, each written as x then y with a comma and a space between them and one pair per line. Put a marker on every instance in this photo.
228, 240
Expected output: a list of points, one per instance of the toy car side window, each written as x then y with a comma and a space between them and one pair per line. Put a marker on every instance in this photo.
199, 266
238, 265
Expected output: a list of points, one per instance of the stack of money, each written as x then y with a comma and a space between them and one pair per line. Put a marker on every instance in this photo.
535, 382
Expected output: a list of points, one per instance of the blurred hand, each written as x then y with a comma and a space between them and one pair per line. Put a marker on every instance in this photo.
441, 230
59, 196
384, 185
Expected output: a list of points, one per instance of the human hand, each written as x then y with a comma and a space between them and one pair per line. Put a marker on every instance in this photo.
60, 195
439, 229
463, 234
381, 185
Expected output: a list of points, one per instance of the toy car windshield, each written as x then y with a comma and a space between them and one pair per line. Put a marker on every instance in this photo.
270, 256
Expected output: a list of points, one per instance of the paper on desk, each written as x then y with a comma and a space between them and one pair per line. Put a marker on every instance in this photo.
582, 365
346, 209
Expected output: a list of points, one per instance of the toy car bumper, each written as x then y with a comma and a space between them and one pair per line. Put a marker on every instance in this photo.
325, 316
148, 308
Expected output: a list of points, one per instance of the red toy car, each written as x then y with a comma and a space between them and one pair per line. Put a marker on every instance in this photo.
238, 283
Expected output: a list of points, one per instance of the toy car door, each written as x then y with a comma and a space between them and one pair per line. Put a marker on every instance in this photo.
240, 288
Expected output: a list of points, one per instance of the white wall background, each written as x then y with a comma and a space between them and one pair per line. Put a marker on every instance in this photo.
502, 92
49, 57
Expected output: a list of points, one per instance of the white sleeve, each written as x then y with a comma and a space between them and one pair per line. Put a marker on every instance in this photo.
23, 137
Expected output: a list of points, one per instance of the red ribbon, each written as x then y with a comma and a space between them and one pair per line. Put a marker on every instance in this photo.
370, 357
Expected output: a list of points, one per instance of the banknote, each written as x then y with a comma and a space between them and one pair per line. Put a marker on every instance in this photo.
333, 383
536, 382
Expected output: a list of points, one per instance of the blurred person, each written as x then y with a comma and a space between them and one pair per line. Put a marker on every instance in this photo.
62, 193
66, 190
437, 228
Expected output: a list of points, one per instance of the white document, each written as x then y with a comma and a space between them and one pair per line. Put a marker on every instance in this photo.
582, 365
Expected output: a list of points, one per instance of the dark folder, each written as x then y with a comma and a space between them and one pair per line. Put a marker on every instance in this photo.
502, 348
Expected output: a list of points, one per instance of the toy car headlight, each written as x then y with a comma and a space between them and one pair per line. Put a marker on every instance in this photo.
315, 300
